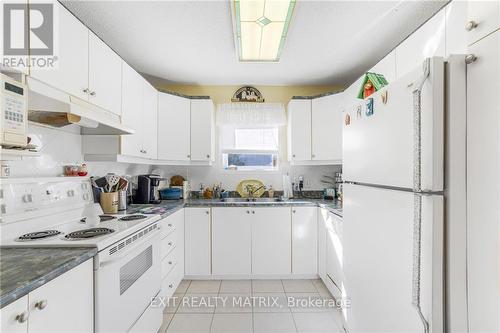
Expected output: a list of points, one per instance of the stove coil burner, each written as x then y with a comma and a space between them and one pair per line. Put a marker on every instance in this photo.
39, 235
88, 233
133, 217
103, 218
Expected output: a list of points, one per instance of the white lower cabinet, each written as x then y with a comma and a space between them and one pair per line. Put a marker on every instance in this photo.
271, 240
231, 241
334, 254
197, 246
322, 219
57, 306
304, 240
14, 317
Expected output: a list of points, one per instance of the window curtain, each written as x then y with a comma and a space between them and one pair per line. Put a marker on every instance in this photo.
250, 115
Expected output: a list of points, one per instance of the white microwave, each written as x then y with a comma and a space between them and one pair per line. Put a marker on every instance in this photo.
13, 115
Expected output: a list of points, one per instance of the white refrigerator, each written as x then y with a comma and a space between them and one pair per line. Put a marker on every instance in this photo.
395, 157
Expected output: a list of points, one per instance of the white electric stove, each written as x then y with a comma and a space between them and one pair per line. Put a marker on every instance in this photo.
48, 212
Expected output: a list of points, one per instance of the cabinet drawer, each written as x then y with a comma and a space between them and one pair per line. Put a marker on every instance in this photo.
169, 243
168, 226
169, 262
171, 282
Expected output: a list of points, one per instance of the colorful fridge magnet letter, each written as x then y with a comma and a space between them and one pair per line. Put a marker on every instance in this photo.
383, 95
347, 119
369, 107
358, 112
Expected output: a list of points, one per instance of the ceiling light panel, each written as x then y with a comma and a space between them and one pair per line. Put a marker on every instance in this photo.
261, 28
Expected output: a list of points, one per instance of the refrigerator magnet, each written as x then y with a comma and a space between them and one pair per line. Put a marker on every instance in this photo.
358, 112
347, 119
383, 95
369, 107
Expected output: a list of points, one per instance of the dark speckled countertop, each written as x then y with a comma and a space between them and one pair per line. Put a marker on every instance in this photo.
172, 206
24, 269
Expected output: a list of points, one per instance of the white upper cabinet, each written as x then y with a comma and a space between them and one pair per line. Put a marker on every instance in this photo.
105, 72
149, 120
202, 117
299, 129
231, 241
174, 118
132, 92
483, 17
71, 76
427, 41
327, 128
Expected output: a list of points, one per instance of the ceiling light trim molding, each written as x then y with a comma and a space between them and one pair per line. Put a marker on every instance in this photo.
262, 21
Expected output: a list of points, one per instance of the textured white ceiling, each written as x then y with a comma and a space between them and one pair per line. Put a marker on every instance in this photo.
191, 42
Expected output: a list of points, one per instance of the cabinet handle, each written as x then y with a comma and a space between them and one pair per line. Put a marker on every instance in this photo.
313, 155
253, 211
207, 212
170, 225
170, 285
40, 305
189, 156
22, 317
170, 262
248, 212
293, 155
169, 243
93, 93
86, 90
470, 58
471, 25
208, 156
293, 211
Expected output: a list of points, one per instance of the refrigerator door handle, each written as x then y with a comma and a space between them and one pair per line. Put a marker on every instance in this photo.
417, 213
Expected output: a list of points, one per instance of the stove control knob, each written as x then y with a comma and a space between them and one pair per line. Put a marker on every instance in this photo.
27, 198
71, 193
86, 196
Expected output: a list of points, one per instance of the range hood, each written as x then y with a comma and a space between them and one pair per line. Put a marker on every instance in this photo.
53, 107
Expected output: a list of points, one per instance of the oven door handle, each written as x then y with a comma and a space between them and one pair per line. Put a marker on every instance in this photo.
127, 250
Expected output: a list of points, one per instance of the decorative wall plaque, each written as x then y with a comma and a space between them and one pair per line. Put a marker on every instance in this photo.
247, 94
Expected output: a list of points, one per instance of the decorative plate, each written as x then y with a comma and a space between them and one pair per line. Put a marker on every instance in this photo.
249, 184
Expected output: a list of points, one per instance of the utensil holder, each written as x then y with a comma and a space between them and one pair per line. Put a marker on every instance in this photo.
109, 202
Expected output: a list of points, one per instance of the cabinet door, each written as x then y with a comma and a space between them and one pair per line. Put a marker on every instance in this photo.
197, 241
299, 130
304, 240
334, 254
483, 185
65, 303
150, 120
71, 75
327, 128
174, 128
14, 317
132, 86
201, 129
271, 240
427, 41
486, 14
105, 75
231, 241
322, 218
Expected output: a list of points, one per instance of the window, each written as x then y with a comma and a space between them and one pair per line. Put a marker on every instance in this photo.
249, 148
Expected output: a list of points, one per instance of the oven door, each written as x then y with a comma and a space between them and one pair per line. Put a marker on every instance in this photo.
126, 280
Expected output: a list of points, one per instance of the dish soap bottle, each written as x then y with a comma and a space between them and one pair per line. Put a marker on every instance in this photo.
270, 191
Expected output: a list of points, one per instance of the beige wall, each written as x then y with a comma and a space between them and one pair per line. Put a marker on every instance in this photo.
271, 94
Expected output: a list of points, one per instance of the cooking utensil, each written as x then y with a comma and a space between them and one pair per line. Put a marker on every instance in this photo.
112, 180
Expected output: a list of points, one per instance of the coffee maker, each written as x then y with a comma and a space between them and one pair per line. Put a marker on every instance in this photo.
147, 189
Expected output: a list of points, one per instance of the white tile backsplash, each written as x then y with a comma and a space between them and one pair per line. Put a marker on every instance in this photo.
62, 146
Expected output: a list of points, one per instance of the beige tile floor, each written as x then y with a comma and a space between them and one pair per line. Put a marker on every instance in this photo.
199, 307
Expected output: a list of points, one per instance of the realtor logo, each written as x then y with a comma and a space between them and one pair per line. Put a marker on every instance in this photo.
28, 35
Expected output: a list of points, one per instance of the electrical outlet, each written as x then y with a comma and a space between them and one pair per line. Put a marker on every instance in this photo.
4, 170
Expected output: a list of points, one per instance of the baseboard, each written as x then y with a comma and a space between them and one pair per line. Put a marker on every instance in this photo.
252, 277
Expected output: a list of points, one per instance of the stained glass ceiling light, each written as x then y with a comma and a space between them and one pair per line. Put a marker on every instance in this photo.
261, 28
